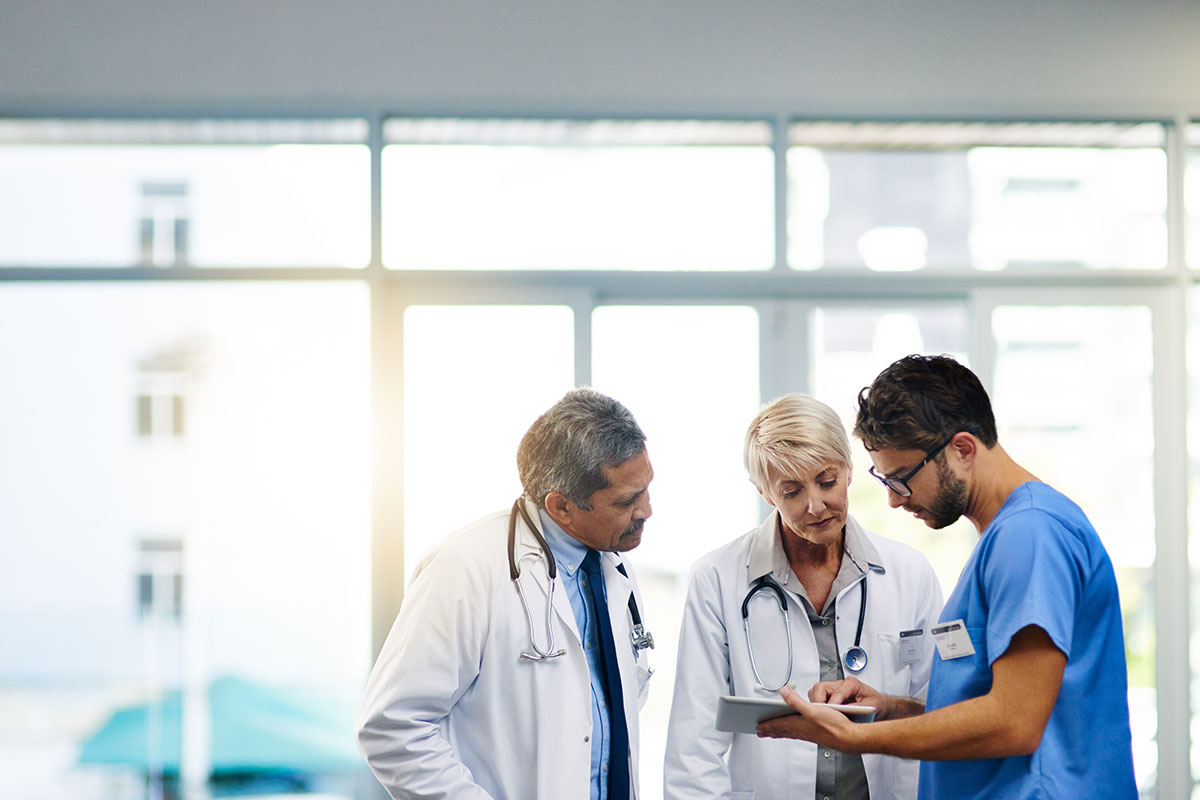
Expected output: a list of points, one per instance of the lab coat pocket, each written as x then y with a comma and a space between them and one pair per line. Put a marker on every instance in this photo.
643, 673
894, 675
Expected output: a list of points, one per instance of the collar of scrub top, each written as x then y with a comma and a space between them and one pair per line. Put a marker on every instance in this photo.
767, 556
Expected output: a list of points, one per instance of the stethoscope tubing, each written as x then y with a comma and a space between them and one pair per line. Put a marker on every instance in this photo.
854, 659
641, 637
546, 556
766, 583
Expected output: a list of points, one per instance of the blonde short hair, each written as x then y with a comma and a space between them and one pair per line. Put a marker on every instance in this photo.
795, 434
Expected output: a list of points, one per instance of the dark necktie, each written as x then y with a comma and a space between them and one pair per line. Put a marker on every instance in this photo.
618, 760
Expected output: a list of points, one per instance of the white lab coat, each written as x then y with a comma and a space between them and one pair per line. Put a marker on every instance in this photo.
452, 711
702, 762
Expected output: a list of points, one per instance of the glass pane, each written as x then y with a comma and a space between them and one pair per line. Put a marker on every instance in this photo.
1191, 190
853, 344
1066, 378
910, 196
556, 194
1193, 450
690, 376
471, 392
272, 193
162, 586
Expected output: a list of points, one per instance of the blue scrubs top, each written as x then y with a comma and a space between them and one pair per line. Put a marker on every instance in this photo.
1041, 563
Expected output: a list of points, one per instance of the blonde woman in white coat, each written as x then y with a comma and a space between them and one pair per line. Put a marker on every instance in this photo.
820, 559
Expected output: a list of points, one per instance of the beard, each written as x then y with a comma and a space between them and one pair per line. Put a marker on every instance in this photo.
951, 500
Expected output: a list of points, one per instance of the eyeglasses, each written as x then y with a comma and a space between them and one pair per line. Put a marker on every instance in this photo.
900, 485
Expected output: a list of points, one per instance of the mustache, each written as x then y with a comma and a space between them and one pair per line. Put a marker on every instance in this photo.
635, 527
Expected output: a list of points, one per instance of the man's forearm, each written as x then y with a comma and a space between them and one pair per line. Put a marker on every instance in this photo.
970, 729
894, 707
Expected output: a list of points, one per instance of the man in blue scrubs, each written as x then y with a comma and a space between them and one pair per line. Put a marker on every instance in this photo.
1027, 697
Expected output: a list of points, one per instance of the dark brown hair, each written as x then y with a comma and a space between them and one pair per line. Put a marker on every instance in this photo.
920, 401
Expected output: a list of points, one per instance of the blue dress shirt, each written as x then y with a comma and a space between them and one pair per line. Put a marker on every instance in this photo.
568, 555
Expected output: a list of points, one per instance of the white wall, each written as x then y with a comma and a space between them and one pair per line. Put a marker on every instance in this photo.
810, 57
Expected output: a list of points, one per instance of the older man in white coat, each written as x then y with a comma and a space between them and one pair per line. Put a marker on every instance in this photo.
495, 686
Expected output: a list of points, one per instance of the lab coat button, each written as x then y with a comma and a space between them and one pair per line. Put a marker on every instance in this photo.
587, 739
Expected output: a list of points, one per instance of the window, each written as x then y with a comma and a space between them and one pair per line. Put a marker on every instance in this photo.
139, 580
954, 196
565, 194
160, 579
472, 390
207, 193
163, 227
213, 435
161, 404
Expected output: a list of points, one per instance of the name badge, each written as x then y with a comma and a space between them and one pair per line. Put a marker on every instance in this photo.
952, 640
910, 646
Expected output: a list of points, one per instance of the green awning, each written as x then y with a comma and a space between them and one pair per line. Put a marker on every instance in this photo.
254, 728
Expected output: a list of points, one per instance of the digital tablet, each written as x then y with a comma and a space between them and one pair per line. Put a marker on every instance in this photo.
742, 714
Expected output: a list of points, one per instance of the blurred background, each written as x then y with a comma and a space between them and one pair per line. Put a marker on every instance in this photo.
280, 290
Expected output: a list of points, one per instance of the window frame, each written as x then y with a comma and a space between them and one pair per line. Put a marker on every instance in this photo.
393, 290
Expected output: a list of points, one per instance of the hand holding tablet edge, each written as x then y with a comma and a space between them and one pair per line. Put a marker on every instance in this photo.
742, 714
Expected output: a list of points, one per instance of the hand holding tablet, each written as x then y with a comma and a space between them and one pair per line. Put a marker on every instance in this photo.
742, 714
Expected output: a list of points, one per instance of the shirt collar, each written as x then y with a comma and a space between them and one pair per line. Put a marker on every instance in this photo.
568, 551
767, 557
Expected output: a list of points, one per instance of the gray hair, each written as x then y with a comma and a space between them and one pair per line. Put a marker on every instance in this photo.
794, 434
567, 448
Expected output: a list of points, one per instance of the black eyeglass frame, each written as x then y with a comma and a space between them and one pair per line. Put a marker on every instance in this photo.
900, 485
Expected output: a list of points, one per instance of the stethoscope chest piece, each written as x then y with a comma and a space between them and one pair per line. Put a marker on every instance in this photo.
855, 659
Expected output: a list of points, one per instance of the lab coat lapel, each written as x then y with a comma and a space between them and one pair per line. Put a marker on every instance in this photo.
617, 589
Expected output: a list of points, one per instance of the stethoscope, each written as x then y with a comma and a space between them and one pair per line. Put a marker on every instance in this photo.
855, 658
642, 639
